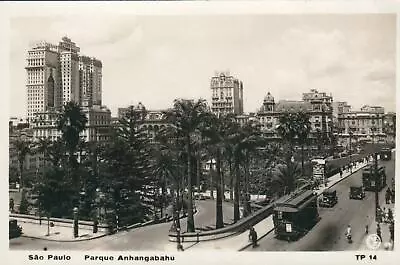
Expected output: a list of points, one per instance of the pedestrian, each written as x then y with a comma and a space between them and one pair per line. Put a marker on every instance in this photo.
391, 231
366, 229
378, 231
341, 172
388, 196
390, 215
386, 214
253, 237
11, 205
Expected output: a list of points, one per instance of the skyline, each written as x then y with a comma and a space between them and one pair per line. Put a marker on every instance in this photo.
283, 54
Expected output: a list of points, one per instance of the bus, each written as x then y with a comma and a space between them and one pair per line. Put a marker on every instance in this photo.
386, 154
370, 181
295, 214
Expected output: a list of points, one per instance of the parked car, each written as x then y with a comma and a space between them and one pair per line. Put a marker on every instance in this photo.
329, 199
14, 229
357, 192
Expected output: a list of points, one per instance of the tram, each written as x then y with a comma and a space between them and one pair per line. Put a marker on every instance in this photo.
295, 214
371, 182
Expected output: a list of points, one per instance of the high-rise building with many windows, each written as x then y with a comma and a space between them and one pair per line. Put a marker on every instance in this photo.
57, 74
227, 94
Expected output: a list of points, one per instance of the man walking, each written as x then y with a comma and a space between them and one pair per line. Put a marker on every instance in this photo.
253, 237
378, 231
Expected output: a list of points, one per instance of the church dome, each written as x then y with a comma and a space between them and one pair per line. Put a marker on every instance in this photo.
269, 98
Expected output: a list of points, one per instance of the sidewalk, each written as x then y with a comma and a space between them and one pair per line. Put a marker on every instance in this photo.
57, 233
263, 228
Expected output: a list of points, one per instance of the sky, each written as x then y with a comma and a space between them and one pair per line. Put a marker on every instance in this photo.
154, 59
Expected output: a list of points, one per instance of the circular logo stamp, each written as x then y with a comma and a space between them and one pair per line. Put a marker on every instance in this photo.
373, 241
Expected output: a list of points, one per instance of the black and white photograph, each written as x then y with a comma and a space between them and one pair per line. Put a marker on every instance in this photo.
259, 132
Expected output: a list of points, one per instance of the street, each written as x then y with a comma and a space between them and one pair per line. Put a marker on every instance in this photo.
328, 233
153, 237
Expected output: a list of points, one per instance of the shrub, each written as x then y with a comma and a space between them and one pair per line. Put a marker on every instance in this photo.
23, 207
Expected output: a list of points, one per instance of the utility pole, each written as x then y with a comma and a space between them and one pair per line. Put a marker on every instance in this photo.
377, 180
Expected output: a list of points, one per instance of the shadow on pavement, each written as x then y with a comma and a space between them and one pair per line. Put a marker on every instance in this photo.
192, 245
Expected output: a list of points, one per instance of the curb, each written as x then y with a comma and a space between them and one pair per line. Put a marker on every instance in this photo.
261, 237
65, 241
82, 239
343, 178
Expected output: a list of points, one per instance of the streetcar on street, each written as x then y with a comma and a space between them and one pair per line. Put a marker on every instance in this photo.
371, 182
295, 214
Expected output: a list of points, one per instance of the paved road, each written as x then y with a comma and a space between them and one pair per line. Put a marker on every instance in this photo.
153, 237
328, 233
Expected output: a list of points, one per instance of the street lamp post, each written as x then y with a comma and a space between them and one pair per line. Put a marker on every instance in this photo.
376, 175
178, 239
75, 222
350, 136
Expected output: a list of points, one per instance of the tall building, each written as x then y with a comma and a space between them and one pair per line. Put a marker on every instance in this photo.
43, 78
364, 125
90, 76
314, 103
57, 74
227, 94
321, 111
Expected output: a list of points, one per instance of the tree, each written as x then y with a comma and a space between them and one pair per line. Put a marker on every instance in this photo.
303, 131
242, 142
287, 176
23, 148
24, 204
166, 164
71, 122
187, 116
127, 174
12, 174
295, 128
217, 130
54, 193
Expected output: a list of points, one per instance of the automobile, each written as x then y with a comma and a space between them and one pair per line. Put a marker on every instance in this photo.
202, 197
357, 192
329, 199
14, 229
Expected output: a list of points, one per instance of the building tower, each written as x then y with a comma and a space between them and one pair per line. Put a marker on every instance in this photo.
227, 94
42, 61
57, 74
269, 103
321, 111
69, 60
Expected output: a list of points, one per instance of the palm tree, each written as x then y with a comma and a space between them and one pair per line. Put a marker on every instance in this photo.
287, 176
217, 132
243, 141
166, 163
71, 122
295, 128
187, 116
303, 130
23, 148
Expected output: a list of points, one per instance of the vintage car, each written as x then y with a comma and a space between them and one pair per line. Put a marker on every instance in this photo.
357, 192
328, 199
14, 229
